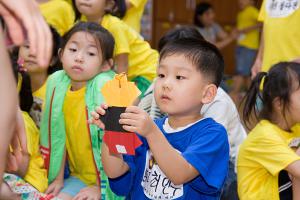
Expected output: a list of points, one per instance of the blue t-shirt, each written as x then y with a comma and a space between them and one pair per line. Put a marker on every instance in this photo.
204, 145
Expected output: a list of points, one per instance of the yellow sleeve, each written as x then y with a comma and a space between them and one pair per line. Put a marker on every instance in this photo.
296, 129
59, 14
136, 3
36, 174
272, 153
119, 31
255, 14
262, 12
69, 18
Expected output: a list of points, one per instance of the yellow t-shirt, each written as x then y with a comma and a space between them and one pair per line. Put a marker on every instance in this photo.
69, 1
38, 104
263, 154
296, 129
247, 18
133, 15
281, 31
78, 142
142, 58
36, 174
59, 14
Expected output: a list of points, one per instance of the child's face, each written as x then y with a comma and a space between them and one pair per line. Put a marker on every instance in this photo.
208, 17
179, 88
91, 7
293, 114
30, 62
82, 57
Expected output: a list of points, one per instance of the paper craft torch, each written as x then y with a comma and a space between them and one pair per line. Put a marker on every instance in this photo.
118, 94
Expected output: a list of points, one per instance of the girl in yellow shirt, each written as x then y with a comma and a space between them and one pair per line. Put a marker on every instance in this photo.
266, 160
38, 75
132, 54
247, 45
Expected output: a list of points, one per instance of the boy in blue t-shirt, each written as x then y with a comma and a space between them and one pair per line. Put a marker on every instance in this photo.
183, 156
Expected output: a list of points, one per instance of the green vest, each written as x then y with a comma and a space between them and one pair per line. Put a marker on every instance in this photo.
53, 134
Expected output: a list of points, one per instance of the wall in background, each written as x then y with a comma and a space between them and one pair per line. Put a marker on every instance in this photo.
163, 15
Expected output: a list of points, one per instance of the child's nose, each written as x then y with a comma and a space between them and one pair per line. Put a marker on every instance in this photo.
79, 57
166, 84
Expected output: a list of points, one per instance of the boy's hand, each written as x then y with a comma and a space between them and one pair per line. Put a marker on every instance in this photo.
55, 187
96, 116
137, 120
89, 193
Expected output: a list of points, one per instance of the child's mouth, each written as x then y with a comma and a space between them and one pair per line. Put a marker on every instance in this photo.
29, 62
165, 97
77, 69
85, 5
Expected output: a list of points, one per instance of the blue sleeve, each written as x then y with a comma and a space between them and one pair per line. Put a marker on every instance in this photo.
122, 185
208, 152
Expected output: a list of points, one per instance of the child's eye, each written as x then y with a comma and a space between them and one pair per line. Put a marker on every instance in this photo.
72, 49
180, 77
91, 54
161, 75
26, 46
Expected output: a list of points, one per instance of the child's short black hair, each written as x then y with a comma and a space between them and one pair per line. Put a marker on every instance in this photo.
202, 54
105, 39
179, 33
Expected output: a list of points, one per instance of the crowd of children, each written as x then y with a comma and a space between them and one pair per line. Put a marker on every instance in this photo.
194, 144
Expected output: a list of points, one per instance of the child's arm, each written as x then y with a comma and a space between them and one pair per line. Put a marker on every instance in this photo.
113, 164
294, 168
121, 62
296, 188
296, 183
258, 60
137, 120
251, 28
225, 39
7, 193
55, 187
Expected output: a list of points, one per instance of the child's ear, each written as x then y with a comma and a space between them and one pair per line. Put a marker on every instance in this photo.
60, 52
109, 6
277, 105
209, 93
107, 65
53, 61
